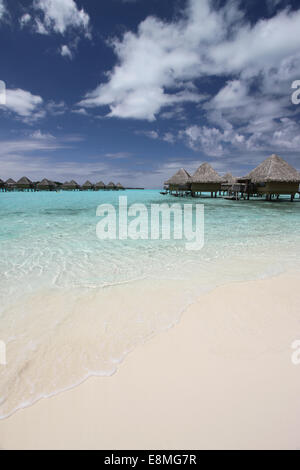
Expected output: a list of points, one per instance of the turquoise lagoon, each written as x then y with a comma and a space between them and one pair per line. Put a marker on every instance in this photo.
73, 306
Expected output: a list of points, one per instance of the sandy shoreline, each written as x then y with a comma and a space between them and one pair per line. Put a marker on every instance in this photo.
222, 378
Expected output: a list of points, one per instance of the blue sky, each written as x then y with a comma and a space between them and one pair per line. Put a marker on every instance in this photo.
132, 90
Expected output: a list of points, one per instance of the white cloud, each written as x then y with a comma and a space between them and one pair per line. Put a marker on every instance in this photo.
258, 48
61, 15
169, 138
234, 94
118, 155
283, 135
2, 9
160, 56
36, 157
33, 156
29, 107
156, 67
209, 140
66, 52
154, 135
24, 104
39, 27
34, 143
56, 109
25, 19
80, 111
39, 135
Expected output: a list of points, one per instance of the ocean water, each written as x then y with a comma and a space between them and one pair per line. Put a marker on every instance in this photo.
73, 306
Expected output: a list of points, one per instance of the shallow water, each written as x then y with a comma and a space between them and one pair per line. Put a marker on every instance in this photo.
72, 305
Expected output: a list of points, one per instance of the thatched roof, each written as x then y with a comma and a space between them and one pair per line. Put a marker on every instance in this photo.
70, 185
206, 174
119, 186
73, 184
111, 185
46, 184
274, 169
1, 182
100, 185
88, 184
229, 178
10, 182
24, 181
180, 178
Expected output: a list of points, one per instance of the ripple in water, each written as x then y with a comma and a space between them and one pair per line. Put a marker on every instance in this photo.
73, 306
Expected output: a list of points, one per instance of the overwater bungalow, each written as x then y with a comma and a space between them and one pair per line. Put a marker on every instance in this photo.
120, 187
87, 186
207, 180
74, 183
10, 185
228, 181
111, 186
275, 177
70, 186
100, 186
46, 185
66, 186
1, 184
180, 182
229, 178
24, 184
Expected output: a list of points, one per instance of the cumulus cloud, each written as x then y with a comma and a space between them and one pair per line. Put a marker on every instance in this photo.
169, 138
39, 135
28, 107
65, 51
156, 65
39, 27
25, 19
154, 135
56, 109
166, 64
23, 103
80, 111
245, 120
2, 9
59, 16
212, 141
282, 134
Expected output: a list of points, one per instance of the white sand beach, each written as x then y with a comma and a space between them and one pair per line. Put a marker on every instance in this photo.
149, 225
221, 379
